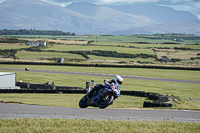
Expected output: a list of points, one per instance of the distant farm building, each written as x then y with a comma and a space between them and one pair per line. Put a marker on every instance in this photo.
60, 60
7, 80
37, 43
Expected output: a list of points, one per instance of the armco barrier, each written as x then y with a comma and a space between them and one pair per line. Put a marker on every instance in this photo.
41, 91
22, 84
41, 86
27, 85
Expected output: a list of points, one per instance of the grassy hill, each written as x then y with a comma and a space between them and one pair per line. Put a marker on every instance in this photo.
161, 49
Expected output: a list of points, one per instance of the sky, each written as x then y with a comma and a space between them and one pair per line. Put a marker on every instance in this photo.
192, 6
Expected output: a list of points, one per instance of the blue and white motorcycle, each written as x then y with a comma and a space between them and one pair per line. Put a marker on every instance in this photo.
103, 97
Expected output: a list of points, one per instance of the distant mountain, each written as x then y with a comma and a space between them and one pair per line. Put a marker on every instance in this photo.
86, 18
113, 18
35, 14
157, 13
186, 27
141, 18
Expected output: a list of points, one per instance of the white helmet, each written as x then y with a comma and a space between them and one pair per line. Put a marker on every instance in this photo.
118, 79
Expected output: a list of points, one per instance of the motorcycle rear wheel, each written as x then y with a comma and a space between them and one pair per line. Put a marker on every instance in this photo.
83, 102
106, 100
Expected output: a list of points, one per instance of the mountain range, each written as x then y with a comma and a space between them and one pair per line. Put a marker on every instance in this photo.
87, 18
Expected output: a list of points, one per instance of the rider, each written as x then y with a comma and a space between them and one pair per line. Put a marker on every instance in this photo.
117, 81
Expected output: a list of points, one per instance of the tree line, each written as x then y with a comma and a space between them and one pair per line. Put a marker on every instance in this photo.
11, 40
35, 32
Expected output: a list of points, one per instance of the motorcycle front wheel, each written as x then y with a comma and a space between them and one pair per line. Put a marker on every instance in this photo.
106, 100
83, 102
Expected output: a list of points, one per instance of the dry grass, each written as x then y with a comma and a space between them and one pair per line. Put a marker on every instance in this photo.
177, 54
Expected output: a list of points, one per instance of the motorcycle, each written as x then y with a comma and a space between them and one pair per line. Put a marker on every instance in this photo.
103, 97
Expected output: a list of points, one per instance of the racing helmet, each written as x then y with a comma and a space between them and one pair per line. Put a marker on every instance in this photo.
118, 79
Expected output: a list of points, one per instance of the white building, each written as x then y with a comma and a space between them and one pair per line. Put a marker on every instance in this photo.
33, 43
7, 80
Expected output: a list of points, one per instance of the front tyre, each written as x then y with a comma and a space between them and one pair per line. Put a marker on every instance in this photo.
83, 102
106, 100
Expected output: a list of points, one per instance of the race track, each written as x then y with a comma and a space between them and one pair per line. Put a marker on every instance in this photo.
109, 75
13, 111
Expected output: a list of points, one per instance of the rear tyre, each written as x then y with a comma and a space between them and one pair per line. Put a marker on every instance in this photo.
106, 100
83, 102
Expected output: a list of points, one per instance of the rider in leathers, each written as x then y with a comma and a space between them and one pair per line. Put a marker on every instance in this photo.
117, 81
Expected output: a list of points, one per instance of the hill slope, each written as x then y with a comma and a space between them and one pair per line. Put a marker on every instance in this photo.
86, 18
157, 13
35, 14
186, 27
114, 18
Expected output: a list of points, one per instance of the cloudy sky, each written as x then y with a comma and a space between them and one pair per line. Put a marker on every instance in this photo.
192, 6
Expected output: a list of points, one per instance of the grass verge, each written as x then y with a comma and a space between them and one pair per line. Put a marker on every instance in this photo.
82, 125
145, 72
183, 90
62, 100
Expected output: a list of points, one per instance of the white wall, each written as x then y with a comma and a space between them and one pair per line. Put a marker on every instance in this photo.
7, 80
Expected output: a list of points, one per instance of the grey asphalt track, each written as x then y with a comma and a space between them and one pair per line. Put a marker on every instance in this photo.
14, 111
108, 75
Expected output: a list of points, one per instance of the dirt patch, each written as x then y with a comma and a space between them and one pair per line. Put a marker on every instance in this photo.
10, 59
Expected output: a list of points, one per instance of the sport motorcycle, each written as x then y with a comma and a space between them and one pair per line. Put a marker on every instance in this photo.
101, 98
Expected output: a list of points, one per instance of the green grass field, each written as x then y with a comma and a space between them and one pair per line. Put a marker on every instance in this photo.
12, 46
61, 100
139, 45
182, 90
145, 72
120, 38
143, 44
116, 43
96, 126
26, 55
86, 47
102, 59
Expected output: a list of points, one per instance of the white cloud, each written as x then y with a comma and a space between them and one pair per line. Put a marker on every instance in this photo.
59, 3
2, 1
